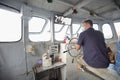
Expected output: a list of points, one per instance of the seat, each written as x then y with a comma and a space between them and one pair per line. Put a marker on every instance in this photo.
101, 73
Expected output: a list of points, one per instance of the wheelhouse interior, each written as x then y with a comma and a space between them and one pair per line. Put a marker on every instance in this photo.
32, 29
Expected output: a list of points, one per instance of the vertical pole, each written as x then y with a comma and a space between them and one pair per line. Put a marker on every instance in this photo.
52, 29
25, 19
71, 29
113, 31
100, 26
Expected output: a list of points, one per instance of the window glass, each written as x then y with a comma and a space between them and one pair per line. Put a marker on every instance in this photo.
117, 27
40, 36
81, 29
58, 27
36, 24
95, 26
107, 31
10, 26
59, 36
75, 28
65, 31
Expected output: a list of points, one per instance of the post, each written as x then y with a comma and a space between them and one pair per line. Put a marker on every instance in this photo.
71, 30
52, 29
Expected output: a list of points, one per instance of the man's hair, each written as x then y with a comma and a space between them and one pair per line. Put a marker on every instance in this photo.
89, 22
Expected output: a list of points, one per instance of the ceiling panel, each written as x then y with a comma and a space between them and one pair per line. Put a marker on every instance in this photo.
105, 8
73, 2
54, 6
96, 4
112, 15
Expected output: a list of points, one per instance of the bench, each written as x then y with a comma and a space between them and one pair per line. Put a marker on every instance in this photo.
103, 73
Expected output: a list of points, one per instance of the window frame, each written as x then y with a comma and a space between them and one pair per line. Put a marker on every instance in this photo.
115, 27
46, 21
76, 31
38, 33
60, 31
97, 25
60, 28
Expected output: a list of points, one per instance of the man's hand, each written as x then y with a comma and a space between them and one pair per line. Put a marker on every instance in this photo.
78, 66
77, 47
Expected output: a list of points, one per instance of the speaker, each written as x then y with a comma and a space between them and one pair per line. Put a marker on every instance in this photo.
50, 1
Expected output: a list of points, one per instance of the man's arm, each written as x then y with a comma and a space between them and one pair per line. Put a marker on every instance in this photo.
80, 41
78, 65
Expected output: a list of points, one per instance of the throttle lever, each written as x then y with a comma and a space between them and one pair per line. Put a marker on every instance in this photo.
65, 51
68, 50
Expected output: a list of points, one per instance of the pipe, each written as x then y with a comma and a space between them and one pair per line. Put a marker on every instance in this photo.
52, 29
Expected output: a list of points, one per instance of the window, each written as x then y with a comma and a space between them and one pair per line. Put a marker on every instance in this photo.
117, 27
107, 31
58, 27
36, 24
95, 26
64, 30
10, 26
38, 31
59, 36
76, 28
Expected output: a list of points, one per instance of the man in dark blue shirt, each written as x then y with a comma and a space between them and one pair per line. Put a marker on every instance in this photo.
94, 47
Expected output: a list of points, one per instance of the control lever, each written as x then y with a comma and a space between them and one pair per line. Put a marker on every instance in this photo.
68, 50
73, 60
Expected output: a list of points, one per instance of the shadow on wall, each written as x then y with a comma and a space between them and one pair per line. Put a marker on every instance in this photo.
41, 48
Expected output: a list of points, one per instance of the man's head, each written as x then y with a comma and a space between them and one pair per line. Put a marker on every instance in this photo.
87, 24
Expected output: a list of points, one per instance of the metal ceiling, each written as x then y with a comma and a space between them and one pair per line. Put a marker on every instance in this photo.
106, 9
103, 9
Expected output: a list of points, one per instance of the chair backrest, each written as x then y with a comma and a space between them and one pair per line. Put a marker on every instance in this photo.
117, 64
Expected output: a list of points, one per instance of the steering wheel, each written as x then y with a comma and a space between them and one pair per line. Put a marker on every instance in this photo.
72, 50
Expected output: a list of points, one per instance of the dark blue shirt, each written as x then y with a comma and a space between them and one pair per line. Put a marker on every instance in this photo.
94, 48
